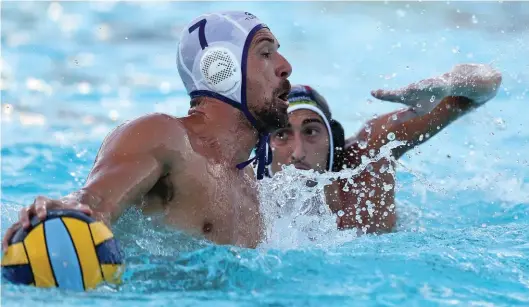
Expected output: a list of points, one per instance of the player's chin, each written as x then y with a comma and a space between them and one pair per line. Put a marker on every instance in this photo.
274, 121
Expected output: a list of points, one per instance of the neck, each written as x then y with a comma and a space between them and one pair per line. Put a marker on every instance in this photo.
224, 133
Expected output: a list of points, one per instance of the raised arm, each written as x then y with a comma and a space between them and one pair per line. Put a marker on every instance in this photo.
130, 161
369, 202
405, 125
433, 104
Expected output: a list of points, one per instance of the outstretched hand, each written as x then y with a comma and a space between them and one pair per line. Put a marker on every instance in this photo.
477, 82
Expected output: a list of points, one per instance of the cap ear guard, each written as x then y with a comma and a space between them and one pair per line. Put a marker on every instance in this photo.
338, 136
220, 70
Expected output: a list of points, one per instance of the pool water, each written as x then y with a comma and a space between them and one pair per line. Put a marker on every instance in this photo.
72, 71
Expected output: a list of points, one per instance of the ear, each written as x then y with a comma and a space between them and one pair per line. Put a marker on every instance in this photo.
337, 133
338, 137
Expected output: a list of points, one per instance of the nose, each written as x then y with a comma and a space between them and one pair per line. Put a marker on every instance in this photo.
298, 154
284, 69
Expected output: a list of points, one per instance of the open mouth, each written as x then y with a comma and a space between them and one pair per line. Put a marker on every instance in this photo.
283, 92
283, 97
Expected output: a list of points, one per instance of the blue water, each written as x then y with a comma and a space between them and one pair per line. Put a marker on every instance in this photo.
72, 71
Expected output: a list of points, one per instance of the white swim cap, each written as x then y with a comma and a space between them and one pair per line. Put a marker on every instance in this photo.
212, 62
212, 55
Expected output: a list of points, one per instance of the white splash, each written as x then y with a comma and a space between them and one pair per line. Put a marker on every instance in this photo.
295, 211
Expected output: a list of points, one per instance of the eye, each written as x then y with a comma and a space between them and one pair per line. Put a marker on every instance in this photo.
280, 136
266, 55
311, 131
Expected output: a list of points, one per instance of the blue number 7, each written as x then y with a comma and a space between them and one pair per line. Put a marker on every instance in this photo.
201, 35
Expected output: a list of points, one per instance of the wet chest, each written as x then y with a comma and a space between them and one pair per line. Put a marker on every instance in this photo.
216, 201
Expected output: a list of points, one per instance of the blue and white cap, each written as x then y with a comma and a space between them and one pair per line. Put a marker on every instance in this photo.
212, 62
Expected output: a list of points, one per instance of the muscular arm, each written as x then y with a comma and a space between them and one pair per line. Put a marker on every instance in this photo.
129, 163
369, 202
413, 130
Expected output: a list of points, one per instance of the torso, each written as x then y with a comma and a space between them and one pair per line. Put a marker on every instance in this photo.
207, 199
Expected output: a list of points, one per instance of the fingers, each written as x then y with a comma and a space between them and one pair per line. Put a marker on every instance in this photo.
394, 96
23, 216
39, 208
41, 204
384, 95
9, 233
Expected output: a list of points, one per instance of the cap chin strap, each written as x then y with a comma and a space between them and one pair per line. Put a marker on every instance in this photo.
263, 152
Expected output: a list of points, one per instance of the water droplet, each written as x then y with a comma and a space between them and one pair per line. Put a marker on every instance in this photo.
391, 136
394, 117
432, 99
340, 213
419, 105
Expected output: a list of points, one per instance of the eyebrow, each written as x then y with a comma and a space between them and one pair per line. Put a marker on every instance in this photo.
266, 39
305, 122
311, 120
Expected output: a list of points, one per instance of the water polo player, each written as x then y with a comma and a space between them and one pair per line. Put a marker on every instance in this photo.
314, 140
192, 169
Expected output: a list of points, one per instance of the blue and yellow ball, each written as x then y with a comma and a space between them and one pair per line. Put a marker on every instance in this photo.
68, 250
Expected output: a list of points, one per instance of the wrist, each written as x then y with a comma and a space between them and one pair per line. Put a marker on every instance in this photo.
85, 197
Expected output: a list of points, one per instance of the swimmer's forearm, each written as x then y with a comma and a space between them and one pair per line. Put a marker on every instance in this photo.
418, 130
111, 189
406, 126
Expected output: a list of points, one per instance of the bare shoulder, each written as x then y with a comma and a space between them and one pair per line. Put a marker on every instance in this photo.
353, 150
145, 134
351, 141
